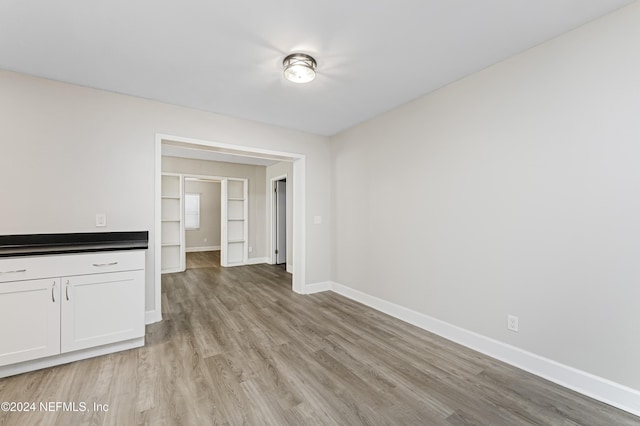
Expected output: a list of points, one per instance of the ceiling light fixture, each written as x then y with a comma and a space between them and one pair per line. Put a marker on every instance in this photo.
299, 68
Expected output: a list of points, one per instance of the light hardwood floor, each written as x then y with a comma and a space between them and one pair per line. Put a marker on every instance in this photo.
238, 347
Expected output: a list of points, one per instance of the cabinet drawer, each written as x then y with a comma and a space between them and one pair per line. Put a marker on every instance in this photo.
29, 268
108, 261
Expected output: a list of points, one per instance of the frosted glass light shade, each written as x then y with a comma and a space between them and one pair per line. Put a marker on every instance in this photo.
299, 68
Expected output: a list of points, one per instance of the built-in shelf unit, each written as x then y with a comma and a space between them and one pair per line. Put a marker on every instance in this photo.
172, 238
235, 216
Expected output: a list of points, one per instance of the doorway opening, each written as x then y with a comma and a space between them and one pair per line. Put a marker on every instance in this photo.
281, 230
295, 188
203, 224
281, 222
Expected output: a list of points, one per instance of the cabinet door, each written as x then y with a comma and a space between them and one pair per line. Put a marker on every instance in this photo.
102, 308
29, 320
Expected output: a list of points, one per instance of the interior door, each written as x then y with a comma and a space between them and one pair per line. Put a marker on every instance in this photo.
281, 222
234, 248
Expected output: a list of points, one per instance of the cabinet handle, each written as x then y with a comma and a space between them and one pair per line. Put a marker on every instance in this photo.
105, 264
13, 272
66, 290
53, 294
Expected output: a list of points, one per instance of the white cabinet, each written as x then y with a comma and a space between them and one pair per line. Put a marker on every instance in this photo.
56, 307
100, 309
30, 318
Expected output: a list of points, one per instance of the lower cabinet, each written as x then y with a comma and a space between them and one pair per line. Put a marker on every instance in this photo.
30, 318
49, 317
101, 309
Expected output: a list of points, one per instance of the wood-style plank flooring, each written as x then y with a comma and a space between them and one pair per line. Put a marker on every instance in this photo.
237, 346
203, 259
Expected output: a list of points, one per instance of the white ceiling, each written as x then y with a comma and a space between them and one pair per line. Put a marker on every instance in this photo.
226, 56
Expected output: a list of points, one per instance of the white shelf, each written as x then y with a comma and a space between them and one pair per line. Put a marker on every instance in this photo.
235, 219
172, 240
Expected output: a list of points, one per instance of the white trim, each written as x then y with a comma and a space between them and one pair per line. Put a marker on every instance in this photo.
245, 255
257, 260
37, 364
206, 248
299, 257
244, 150
318, 287
601, 389
157, 240
152, 316
299, 206
201, 178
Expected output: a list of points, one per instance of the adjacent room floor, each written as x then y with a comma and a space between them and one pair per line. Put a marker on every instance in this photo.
237, 346
203, 259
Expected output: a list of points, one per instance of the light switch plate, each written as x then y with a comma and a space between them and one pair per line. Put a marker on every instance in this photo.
101, 220
317, 220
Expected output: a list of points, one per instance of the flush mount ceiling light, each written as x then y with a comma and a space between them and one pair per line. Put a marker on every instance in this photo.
299, 68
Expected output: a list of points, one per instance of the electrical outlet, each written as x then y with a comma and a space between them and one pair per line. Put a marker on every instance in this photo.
512, 323
250, 249
101, 220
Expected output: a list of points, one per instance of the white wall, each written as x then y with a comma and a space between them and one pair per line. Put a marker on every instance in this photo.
257, 202
69, 152
513, 191
208, 234
280, 169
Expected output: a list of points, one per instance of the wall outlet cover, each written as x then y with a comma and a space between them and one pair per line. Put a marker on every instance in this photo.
512, 323
101, 220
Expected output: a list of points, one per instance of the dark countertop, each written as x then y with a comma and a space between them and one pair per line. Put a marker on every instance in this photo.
46, 244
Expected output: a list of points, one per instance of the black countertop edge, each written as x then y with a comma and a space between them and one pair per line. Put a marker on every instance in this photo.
46, 244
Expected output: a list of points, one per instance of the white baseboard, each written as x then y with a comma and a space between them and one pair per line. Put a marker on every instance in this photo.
196, 249
598, 388
257, 260
37, 364
317, 287
152, 316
